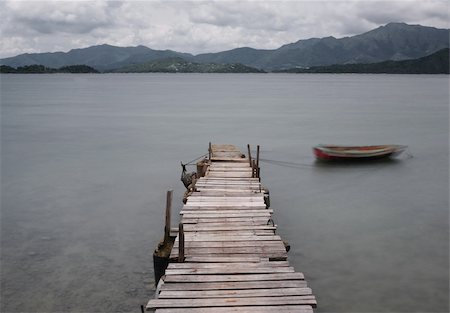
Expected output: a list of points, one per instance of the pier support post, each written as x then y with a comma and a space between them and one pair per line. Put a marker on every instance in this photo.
180, 243
162, 252
249, 155
257, 163
168, 215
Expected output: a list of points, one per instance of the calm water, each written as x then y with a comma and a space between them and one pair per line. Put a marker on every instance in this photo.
86, 161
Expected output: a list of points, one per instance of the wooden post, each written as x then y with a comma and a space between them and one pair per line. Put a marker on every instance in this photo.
180, 243
257, 161
210, 151
168, 215
254, 170
257, 155
249, 155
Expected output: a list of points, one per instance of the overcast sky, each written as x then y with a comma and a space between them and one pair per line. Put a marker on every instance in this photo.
198, 26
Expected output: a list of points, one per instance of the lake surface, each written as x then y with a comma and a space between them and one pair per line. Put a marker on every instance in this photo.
86, 161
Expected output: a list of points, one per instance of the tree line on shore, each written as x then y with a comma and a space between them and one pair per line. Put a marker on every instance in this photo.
41, 69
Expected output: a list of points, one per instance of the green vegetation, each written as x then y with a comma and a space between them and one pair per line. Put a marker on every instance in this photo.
179, 65
40, 69
436, 63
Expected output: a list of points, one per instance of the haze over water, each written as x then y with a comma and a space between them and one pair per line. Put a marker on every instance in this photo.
86, 161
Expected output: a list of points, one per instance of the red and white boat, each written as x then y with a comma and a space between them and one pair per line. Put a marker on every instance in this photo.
349, 153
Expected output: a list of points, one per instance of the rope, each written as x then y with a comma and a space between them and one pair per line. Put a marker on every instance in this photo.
190, 162
287, 164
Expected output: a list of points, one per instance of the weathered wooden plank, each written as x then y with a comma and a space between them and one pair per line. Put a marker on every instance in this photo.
270, 292
210, 186
230, 170
201, 227
220, 302
250, 198
241, 190
228, 159
229, 164
221, 259
224, 164
226, 181
218, 203
228, 270
227, 188
223, 244
230, 174
242, 309
255, 220
231, 250
194, 222
224, 206
220, 172
273, 284
230, 278
279, 256
231, 237
223, 147
229, 180
263, 230
251, 212
218, 193
189, 215
228, 265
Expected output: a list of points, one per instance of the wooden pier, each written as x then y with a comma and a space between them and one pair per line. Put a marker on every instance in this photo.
227, 256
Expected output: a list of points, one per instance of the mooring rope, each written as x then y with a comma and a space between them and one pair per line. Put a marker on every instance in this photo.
191, 162
287, 164
408, 155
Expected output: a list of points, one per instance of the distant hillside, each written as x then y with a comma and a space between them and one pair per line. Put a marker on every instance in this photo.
101, 57
436, 63
41, 69
394, 41
179, 65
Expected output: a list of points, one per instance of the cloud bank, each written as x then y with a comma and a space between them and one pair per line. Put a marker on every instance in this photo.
198, 26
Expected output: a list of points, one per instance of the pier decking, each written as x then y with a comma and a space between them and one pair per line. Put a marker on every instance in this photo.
233, 261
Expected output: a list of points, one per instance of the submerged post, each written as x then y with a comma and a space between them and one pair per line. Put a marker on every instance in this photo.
168, 215
249, 155
180, 243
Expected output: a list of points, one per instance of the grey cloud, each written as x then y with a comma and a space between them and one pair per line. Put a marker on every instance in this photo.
56, 26
52, 17
246, 15
384, 12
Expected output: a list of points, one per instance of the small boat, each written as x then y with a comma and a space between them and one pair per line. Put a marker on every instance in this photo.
354, 153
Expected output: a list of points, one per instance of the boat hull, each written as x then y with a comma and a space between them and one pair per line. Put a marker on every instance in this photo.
356, 153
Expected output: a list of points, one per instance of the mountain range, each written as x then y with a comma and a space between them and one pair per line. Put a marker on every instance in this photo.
435, 63
394, 41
